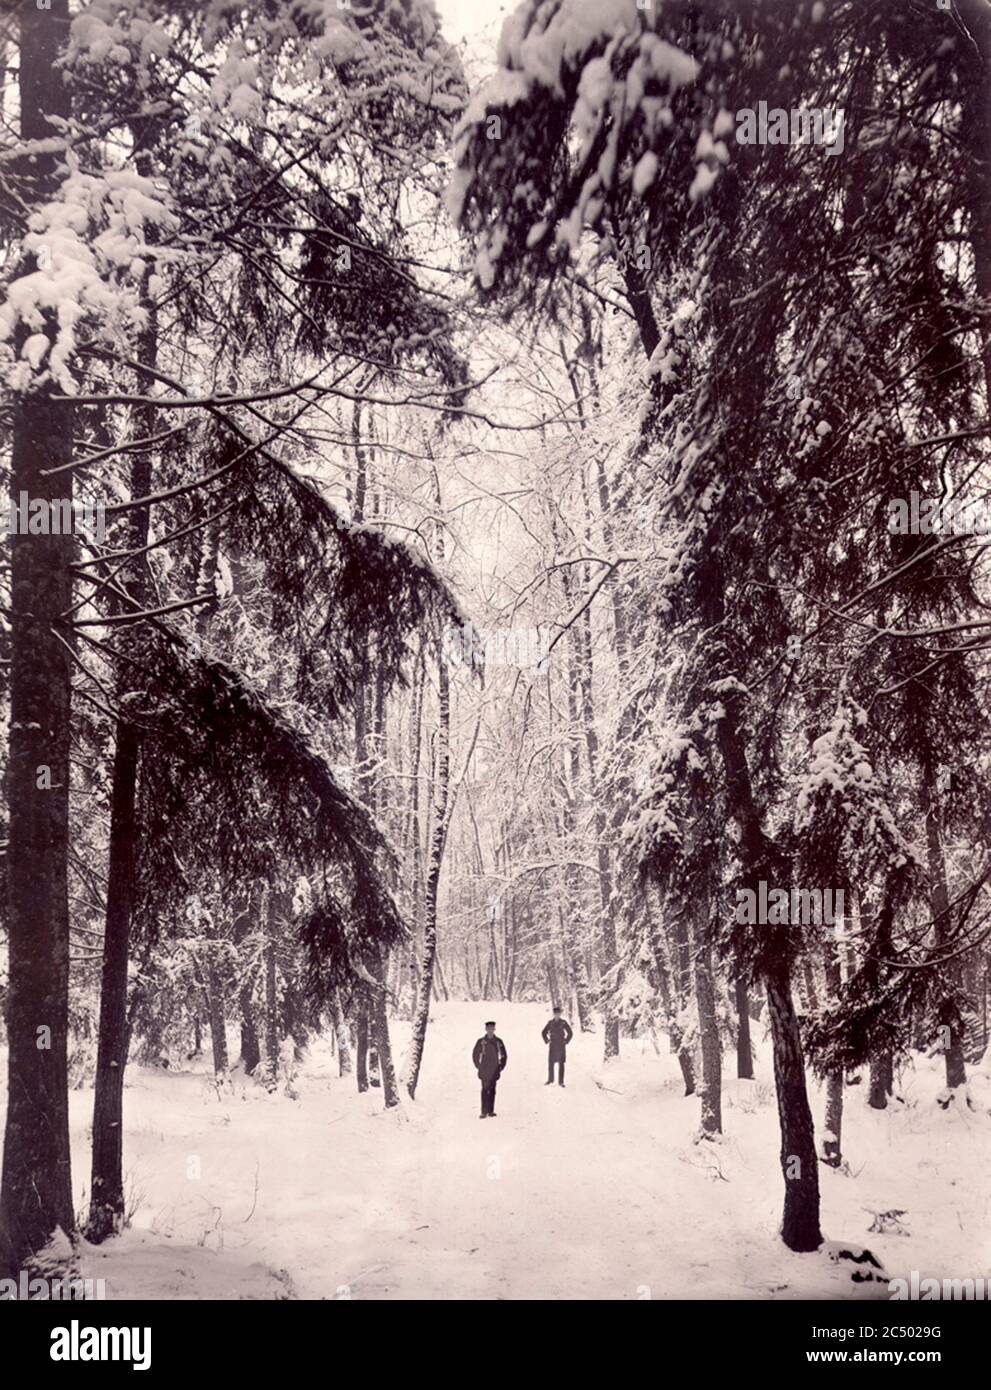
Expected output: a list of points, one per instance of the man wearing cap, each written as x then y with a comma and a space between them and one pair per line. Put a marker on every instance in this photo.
557, 1034
489, 1057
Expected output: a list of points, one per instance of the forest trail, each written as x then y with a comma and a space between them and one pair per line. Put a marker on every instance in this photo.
548, 1199
567, 1194
489, 480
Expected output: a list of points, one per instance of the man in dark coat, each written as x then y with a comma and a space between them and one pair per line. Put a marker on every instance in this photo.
489, 1057
557, 1034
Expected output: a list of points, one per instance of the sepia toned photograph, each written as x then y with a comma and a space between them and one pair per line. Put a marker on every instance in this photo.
495, 689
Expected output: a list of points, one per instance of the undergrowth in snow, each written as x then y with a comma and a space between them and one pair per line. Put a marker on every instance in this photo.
599, 1191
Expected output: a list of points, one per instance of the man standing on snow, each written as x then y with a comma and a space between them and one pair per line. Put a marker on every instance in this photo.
557, 1034
489, 1057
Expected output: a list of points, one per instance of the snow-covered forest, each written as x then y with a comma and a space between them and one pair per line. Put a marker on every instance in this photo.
499, 513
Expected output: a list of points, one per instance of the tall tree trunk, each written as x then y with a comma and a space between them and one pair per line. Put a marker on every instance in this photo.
705, 996
341, 1034
604, 825
744, 1050
832, 1146
412, 837
670, 997
882, 1081
553, 988
106, 1214
106, 1211
251, 1053
427, 962
271, 1019
510, 951
939, 905
609, 952
246, 926
494, 957
580, 701
675, 1035
378, 1018
800, 1221
977, 54
218, 1020
379, 1021
800, 1224
36, 1189
373, 1032
811, 993
438, 836
572, 894
579, 975
216, 1002
882, 1070
361, 1046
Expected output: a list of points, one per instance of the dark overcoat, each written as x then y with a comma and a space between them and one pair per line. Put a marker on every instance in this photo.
489, 1056
558, 1034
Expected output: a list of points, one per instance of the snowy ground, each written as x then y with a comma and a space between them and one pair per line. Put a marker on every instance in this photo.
581, 1193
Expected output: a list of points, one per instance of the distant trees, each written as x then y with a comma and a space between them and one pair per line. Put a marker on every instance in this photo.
264, 770
815, 329
213, 253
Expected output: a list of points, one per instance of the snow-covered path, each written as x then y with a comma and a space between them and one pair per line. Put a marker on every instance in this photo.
595, 1191
530, 1194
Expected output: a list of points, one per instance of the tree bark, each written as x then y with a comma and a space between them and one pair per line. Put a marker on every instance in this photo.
216, 1005
271, 1020
977, 51
832, 1146
434, 864
106, 1214
939, 905
426, 976
36, 1189
705, 996
343, 1042
106, 1211
882, 1070
674, 1029
744, 1050
572, 952
374, 1020
882, 1081
245, 926
607, 919
379, 1021
832, 1150
800, 1222
361, 1047
251, 1053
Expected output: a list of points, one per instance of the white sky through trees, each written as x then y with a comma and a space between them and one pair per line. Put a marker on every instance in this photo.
475, 21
